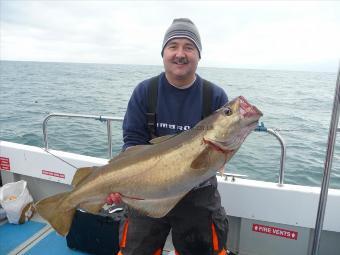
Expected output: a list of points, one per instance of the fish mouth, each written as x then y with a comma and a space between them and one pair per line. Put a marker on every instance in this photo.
234, 142
247, 110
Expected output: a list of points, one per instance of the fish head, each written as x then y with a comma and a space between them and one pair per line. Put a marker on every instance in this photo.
227, 128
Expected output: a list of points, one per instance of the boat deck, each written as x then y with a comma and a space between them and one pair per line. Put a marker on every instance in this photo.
34, 237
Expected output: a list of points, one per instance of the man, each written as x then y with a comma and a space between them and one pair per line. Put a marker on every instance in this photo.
198, 222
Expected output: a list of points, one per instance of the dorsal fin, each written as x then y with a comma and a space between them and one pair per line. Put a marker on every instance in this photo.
128, 152
81, 174
161, 139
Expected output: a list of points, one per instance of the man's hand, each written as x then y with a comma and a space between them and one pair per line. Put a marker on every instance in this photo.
114, 198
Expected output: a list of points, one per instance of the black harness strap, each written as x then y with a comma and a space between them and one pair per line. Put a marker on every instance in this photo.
207, 96
152, 103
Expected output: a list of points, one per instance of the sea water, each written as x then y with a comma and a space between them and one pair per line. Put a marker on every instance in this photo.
297, 104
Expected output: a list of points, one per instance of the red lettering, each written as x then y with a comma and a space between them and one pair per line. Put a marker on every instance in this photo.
275, 231
54, 174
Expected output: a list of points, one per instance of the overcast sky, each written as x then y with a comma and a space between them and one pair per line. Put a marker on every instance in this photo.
245, 34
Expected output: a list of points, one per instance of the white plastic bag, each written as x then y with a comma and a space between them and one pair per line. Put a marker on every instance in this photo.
16, 200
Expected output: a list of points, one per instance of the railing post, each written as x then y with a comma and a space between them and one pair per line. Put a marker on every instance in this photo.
100, 118
45, 130
327, 170
283, 154
109, 138
262, 128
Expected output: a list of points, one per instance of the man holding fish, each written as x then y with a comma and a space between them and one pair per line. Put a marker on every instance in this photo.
168, 182
198, 222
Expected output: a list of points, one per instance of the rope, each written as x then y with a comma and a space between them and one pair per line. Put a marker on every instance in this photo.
288, 130
261, 128
59, 158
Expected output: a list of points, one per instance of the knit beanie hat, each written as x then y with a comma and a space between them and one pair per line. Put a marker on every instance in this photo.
183, 28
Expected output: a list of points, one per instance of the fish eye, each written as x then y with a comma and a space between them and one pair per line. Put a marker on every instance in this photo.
228, 111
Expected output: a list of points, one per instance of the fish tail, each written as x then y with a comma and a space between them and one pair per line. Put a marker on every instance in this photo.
54, 210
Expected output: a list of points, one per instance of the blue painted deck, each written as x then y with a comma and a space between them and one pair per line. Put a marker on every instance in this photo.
52, 244
12, 235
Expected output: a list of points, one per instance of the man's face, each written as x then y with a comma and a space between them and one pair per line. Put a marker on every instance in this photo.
180, 59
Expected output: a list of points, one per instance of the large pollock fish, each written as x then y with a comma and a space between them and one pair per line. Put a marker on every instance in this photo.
153, 178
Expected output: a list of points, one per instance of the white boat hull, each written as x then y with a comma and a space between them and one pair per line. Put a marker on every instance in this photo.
265, 218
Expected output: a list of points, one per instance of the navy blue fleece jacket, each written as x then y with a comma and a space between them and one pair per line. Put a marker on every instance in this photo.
177, 109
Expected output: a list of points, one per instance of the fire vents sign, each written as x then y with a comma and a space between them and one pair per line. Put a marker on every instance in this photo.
270, 230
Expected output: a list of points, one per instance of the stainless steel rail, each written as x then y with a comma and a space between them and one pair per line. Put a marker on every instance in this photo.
100, 118
283, 153
327, 170
109, 134
261, 128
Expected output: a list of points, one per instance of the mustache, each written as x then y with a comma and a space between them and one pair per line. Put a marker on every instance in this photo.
182, 60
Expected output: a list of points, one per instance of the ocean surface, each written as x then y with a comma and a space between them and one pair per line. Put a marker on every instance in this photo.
297, 104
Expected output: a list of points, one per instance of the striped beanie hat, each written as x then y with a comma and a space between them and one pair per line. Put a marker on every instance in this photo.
183, 28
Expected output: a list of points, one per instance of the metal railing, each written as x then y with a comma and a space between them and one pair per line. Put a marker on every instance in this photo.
333, 128
100, 118
262, 128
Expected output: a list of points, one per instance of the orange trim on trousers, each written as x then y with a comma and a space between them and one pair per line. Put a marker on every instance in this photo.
124, 235
215, 242
159, 251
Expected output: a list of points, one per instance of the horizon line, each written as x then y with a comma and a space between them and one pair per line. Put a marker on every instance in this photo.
154, 65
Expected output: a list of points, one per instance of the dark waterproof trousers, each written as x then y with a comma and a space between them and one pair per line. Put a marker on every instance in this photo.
198, 222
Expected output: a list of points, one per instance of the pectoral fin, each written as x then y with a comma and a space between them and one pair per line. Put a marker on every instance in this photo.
155, 208
202, 160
